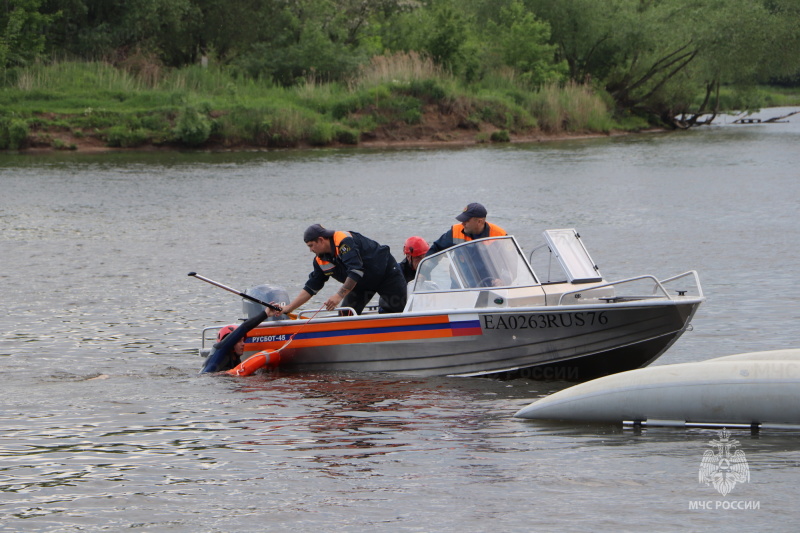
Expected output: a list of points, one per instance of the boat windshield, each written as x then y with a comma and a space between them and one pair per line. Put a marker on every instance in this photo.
490, 262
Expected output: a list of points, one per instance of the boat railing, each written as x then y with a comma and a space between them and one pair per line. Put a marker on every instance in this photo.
695, 279
204, 337
203, 351
658, 287
339, 311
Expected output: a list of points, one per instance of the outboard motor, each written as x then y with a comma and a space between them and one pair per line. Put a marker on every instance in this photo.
265, 293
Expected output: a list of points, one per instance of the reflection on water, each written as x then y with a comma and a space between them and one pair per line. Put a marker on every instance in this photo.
106, 424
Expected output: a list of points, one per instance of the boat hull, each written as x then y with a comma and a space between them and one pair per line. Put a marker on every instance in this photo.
566, 343
744, 389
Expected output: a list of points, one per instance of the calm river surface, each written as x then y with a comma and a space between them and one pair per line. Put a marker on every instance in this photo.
105, 424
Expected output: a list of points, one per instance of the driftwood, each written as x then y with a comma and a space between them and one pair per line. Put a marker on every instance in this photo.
686, 121
747, 120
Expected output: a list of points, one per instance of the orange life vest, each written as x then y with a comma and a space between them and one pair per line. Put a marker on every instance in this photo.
459, 236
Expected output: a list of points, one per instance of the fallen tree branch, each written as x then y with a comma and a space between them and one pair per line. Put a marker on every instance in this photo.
775, 119
745, 120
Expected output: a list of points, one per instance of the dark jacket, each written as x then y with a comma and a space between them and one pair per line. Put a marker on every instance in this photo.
408, 272
353, 256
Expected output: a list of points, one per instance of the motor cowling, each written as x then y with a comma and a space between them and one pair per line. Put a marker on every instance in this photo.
265, 293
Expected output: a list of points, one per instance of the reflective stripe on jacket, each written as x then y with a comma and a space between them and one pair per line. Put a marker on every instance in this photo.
352, 256
327, 266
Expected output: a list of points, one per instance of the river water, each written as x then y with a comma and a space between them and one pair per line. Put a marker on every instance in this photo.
105, 424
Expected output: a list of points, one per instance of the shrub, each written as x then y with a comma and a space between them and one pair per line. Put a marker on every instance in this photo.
500, 136
363, 123
193, 128
58, 144
341, 109
3, 133
125, 137
17, 134
376, 94
405, 108
152, 121
91, 119
346, 135
243, 124
429, 89
288, 126
321, 134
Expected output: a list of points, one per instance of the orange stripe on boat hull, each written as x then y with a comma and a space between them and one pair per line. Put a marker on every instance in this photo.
367, 331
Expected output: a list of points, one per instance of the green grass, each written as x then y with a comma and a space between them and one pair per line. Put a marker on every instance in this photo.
571, 108
196, 107
782, 97
754, 98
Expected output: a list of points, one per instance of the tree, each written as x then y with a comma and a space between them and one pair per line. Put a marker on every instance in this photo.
115, 29
301, 39
654, 57
522, 42
22, 36
446, 36
590, 34
162, 27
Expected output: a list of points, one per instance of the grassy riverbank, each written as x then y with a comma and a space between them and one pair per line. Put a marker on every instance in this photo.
403, 98
398, 99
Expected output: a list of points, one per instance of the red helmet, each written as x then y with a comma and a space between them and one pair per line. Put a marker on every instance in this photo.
415, 246
225, 331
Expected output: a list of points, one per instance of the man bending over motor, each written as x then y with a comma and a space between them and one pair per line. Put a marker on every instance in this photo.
363, 266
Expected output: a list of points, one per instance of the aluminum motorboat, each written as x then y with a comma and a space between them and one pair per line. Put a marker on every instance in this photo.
479, 309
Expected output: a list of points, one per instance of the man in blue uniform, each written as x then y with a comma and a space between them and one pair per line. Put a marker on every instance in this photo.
472, 225
363, 266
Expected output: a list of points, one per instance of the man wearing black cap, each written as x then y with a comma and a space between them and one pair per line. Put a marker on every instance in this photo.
472, 225
363, 266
